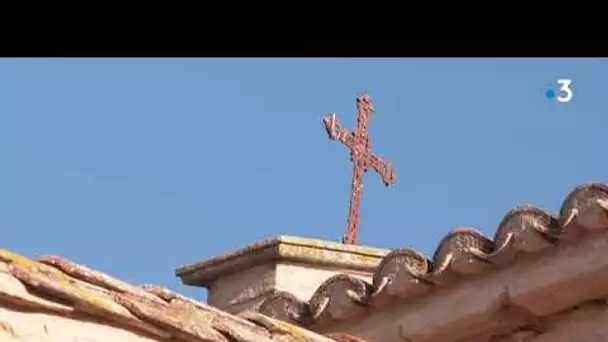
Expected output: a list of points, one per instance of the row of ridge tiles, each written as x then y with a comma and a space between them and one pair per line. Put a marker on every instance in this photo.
54, 285
464, 251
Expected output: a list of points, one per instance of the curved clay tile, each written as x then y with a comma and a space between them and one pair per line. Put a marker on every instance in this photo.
286, 307
402, 274
463, 252
339, 298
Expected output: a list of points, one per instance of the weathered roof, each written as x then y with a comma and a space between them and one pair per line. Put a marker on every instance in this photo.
463, 253
54, 285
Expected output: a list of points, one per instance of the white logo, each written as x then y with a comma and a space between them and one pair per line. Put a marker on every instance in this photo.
565, 94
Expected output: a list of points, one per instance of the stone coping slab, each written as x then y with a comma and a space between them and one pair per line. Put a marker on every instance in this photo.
283, 248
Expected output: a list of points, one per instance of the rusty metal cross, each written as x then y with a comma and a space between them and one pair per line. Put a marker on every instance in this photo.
363, 158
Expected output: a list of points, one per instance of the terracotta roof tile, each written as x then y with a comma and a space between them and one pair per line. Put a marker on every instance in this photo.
463, 252
58, 286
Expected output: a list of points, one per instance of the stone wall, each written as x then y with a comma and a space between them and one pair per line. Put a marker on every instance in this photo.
587, 323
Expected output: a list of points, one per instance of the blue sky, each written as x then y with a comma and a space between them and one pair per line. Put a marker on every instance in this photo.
137, 166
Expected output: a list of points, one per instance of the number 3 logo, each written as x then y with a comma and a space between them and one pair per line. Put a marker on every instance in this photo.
566, 95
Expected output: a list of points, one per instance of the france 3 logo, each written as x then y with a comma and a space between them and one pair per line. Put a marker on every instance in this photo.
564, 93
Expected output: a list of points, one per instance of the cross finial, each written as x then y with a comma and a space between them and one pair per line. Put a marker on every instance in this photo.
362, 157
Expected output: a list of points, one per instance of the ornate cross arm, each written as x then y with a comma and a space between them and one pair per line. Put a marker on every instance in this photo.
365, 106
337, 132
384, 168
